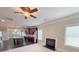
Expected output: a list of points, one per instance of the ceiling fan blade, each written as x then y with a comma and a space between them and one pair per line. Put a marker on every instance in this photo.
25, 17
33, 16
28, 9
25, 9
34, 10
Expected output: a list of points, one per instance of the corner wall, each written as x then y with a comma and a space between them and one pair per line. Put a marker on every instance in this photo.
56, 30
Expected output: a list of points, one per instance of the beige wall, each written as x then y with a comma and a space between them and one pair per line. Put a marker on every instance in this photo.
56, 30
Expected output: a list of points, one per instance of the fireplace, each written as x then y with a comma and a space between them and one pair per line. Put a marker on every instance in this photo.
50, 43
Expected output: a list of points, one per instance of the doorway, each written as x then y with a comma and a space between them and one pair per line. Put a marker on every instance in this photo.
40, 36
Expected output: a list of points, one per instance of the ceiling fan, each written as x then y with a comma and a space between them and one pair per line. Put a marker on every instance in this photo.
27, 11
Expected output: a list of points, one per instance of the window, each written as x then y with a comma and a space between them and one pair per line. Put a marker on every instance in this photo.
72, 36
23, 33
0, 33
40, 33
16, 33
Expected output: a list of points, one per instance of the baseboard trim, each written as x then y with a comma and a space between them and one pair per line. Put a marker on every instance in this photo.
61, 50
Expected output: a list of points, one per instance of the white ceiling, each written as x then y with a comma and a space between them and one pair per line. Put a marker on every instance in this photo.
43, 15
